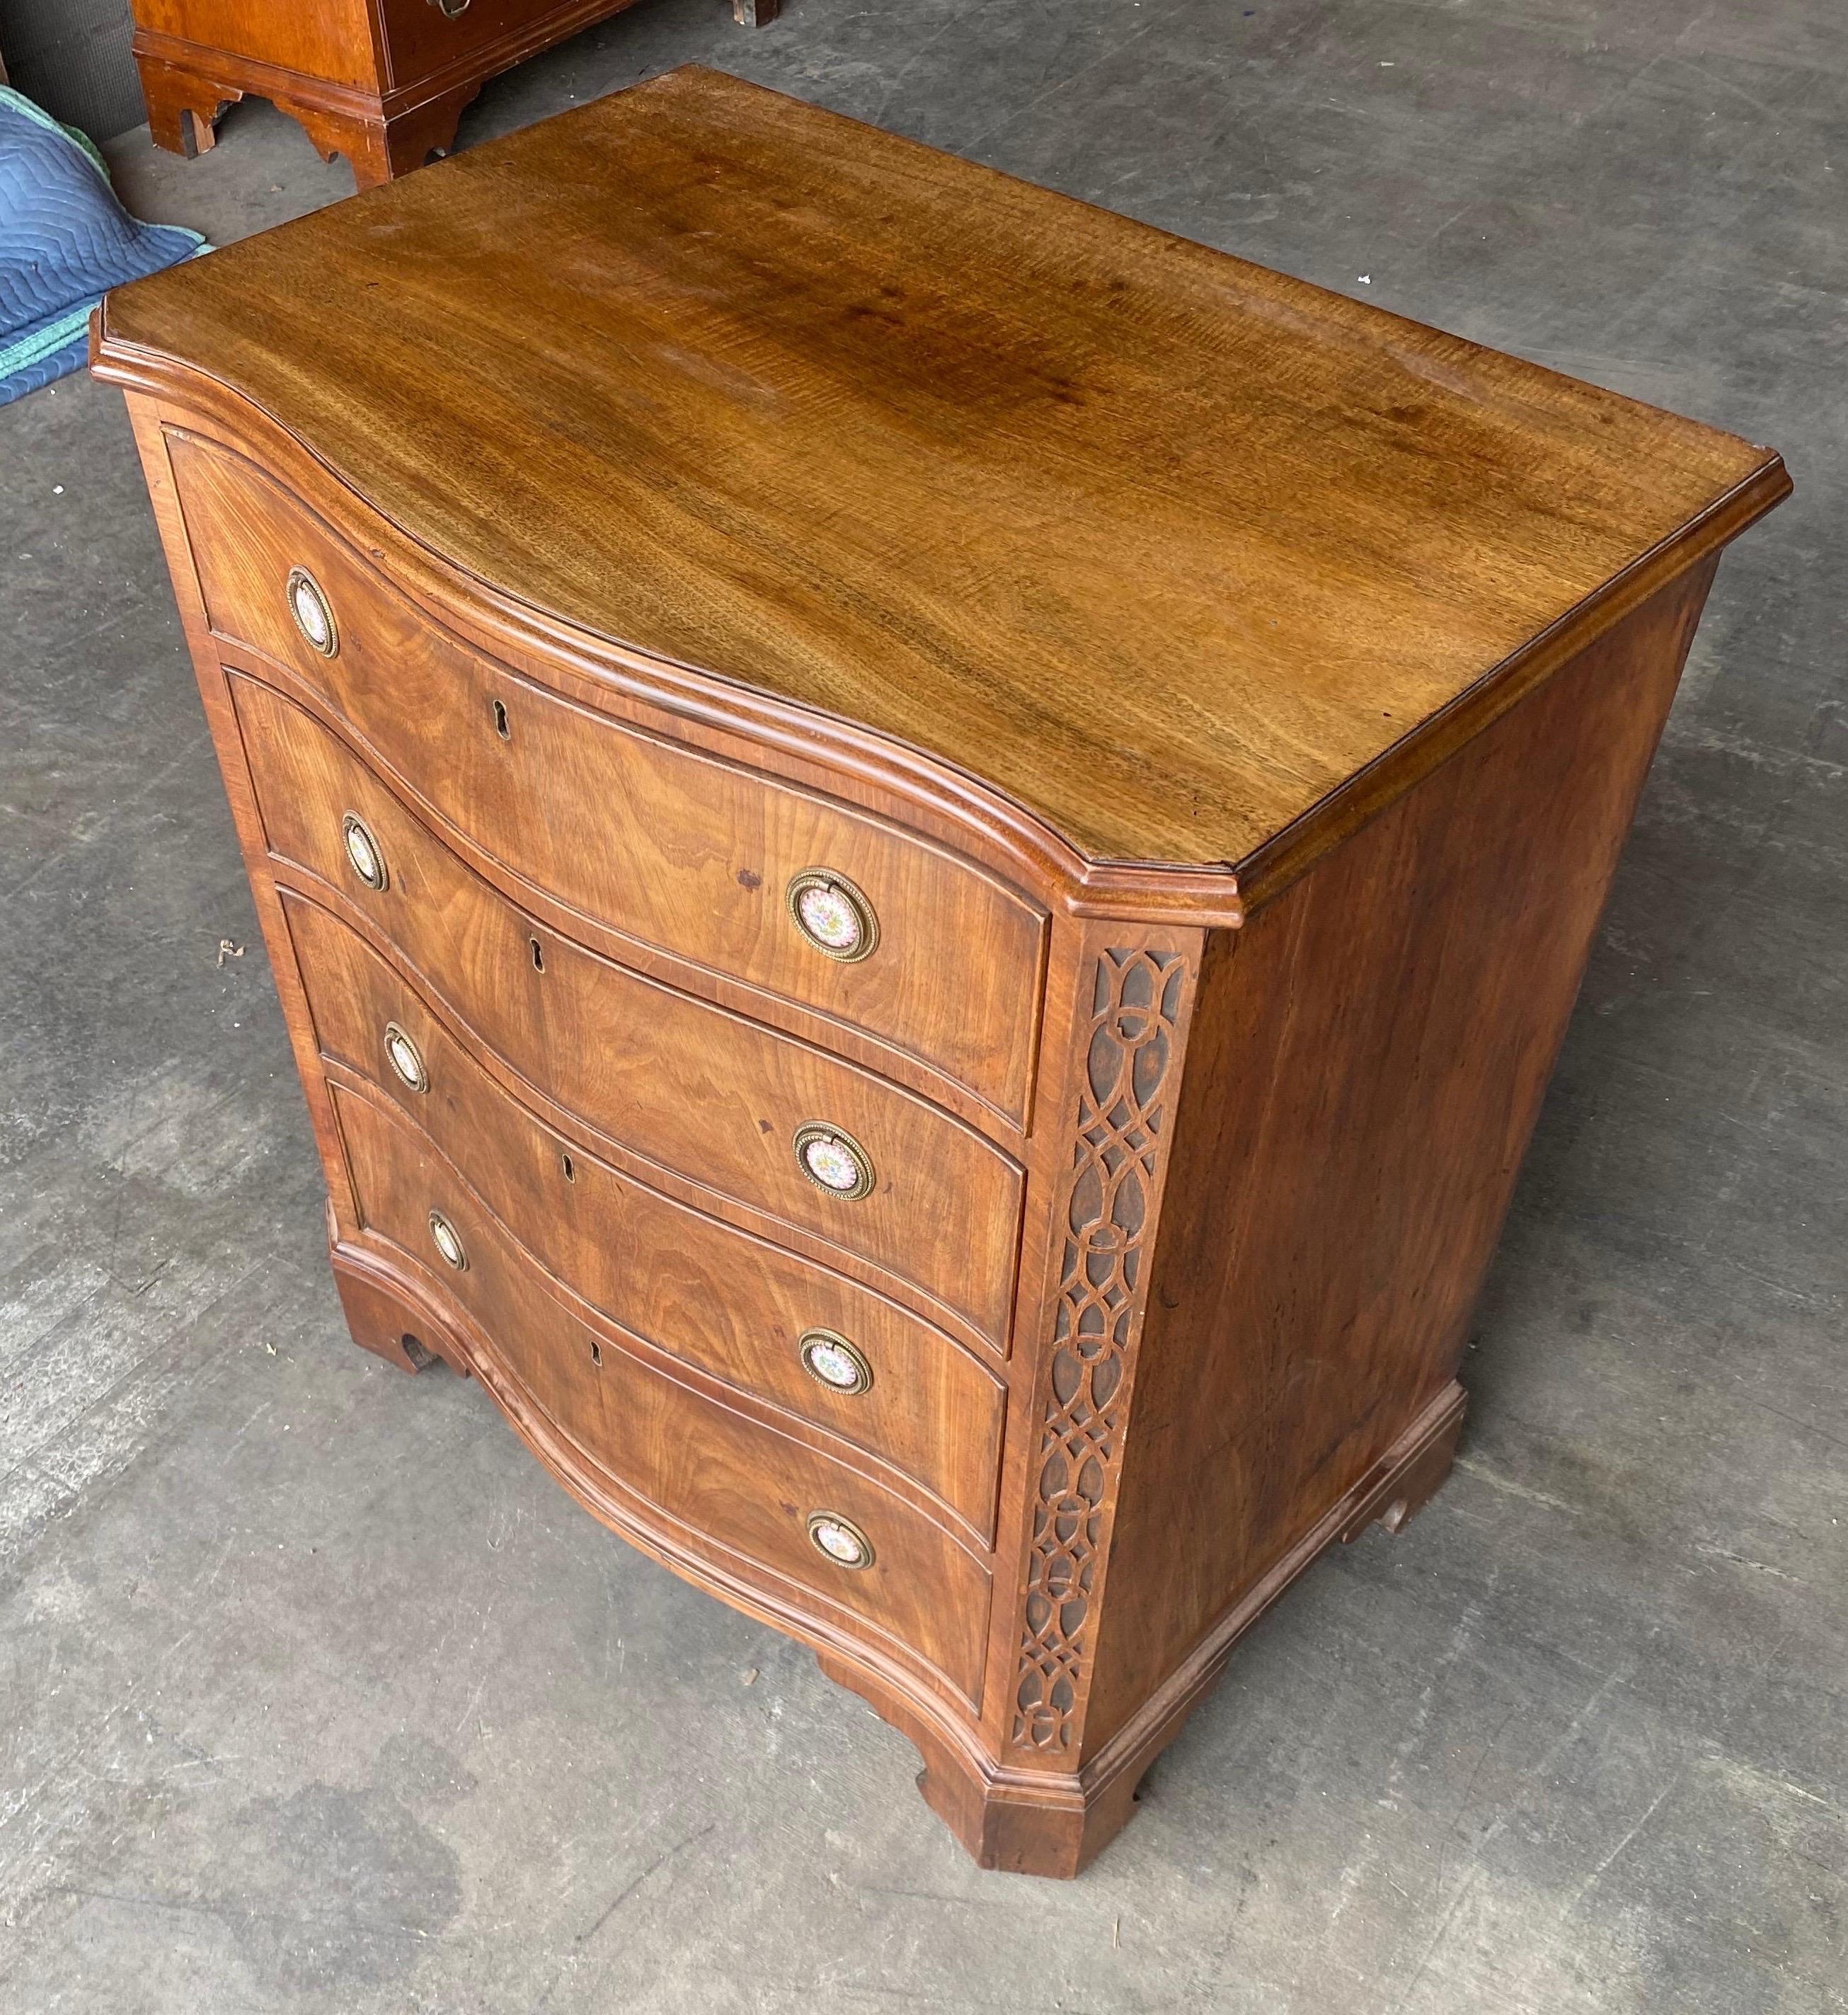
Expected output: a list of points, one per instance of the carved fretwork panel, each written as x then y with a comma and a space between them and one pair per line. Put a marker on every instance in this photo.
1120, 1125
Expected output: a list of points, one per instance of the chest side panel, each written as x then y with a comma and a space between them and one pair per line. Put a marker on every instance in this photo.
1368, 1067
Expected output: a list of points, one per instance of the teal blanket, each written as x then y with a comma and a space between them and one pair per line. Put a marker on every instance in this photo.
64, 242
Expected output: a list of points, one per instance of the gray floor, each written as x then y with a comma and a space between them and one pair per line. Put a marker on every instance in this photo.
315, 1695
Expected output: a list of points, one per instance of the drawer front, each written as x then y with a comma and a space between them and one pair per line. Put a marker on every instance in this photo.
728, 1478
421, 37
733, 1304
693, 1088
679, 850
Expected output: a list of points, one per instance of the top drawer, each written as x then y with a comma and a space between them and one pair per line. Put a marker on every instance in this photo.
692, 855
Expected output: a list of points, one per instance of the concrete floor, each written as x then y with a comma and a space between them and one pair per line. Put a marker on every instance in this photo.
315, 1695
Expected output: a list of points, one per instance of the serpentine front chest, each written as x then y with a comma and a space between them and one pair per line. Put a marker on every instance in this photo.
925, 851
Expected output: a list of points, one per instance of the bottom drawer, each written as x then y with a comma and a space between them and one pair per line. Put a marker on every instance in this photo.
732, 1480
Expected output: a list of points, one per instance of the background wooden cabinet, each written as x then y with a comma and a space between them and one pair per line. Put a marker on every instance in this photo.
383, 82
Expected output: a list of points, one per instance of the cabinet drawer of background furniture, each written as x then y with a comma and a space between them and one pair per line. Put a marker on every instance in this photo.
331, 41
694, 1088
423, 36
681, 851
777, 1325
726, 1477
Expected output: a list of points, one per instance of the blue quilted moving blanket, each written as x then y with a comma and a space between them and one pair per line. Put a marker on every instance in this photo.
64, 242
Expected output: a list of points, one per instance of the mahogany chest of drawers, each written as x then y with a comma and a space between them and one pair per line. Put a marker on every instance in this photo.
926, 852
383, 82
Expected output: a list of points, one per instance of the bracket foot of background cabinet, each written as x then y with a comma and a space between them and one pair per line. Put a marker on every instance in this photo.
185, 104
379, 150
184, 108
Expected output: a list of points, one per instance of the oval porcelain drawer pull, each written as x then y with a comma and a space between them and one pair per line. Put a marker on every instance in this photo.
313, 613
840, 1539
833, 1161
364, 855
831, 1361
832, 915
447, 1242
405, 1057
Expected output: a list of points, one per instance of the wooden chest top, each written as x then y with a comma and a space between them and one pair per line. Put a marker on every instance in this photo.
1165, 547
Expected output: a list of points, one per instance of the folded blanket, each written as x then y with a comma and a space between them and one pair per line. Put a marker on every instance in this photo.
64, 242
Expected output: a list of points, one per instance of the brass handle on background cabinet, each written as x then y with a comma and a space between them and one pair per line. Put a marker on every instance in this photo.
454, 9
832, 915
834, 1161
831, 1361
840, 1539
313, 613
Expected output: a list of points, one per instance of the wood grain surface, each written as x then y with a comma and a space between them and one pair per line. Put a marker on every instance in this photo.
1166, 546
